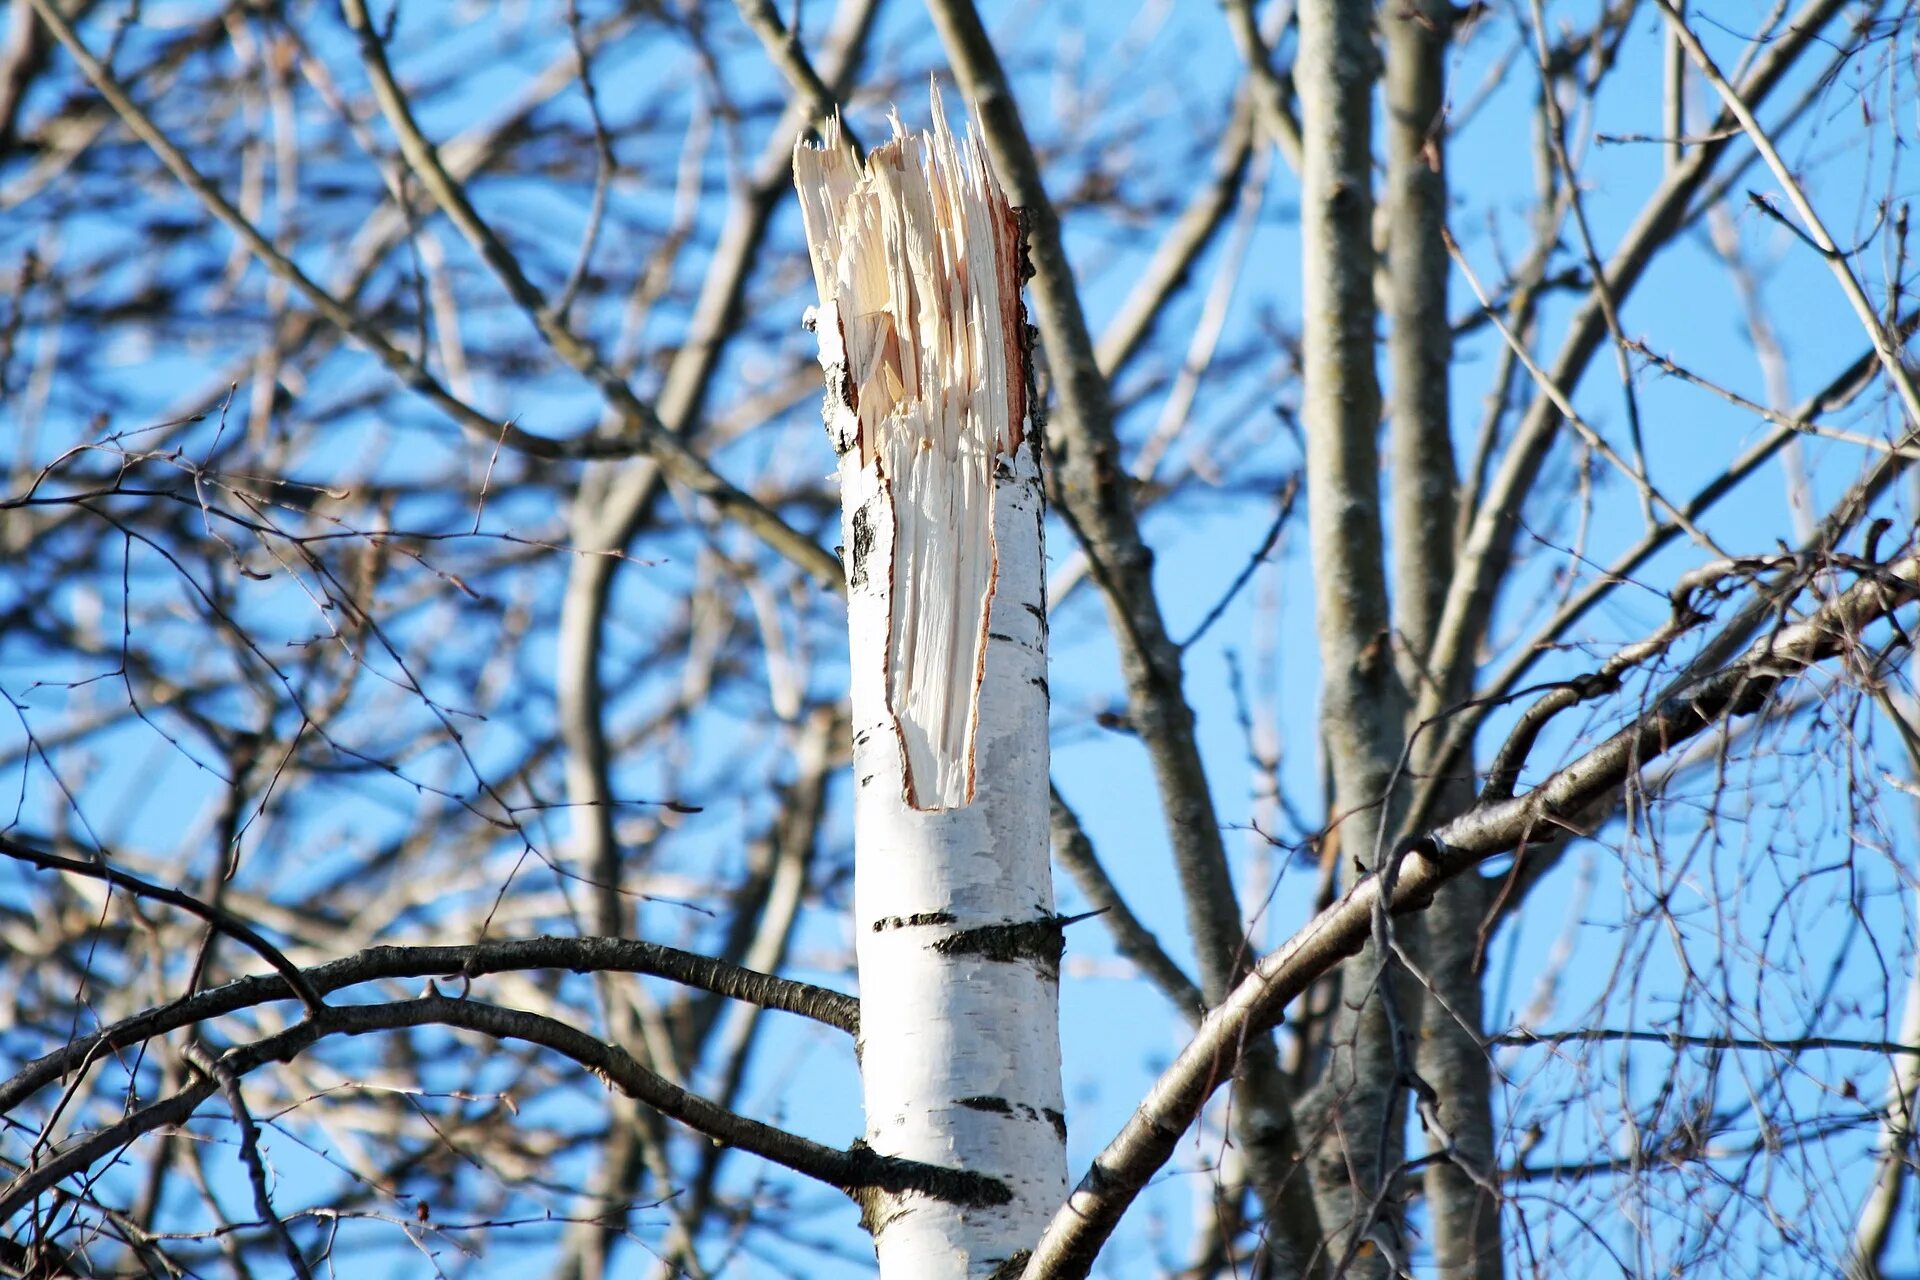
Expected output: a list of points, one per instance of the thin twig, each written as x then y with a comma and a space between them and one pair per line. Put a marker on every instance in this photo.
218, 918
1816, 230
603, 166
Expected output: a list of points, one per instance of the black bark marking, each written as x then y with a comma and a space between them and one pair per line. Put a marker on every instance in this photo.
1000, 1106
862, 548
843, 429
1041, 941
916, 920
879, 1183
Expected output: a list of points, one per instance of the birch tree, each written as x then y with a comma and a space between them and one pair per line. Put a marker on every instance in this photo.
916, 256
1376, 738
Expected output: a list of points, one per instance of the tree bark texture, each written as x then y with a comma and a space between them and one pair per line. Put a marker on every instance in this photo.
1462, 1212
1351, 1120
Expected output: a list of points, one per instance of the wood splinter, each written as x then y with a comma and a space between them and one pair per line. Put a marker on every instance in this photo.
916, 257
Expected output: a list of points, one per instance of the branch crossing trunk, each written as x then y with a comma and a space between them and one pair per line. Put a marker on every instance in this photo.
923, 339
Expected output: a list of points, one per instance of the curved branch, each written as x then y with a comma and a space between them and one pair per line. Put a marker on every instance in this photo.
1408, 883
221, 920
577, 955
856, 1171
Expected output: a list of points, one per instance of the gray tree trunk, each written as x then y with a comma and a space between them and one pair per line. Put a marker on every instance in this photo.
1351, 1123
1463, 1213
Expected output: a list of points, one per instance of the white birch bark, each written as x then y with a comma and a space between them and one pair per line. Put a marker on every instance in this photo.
916, 256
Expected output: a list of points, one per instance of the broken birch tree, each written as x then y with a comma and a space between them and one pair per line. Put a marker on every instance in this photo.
916, 254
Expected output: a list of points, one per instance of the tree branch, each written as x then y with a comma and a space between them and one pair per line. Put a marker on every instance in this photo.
220, 919
576, 955
855, 1171
1420, 866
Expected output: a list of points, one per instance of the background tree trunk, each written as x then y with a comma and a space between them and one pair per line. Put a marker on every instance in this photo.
1463, 1205
1353, 1122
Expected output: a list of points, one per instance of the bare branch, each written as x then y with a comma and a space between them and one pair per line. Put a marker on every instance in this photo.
854, 1171
220, 919
576, 955
1421, 866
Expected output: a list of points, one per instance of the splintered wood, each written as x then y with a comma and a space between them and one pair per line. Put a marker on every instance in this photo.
916, 256
923, 342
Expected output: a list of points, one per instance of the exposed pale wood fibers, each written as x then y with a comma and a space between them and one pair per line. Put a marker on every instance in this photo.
918, 253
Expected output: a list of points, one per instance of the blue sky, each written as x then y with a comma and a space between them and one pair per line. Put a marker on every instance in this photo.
1151, 77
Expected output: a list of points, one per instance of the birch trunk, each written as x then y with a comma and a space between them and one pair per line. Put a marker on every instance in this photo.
924, 343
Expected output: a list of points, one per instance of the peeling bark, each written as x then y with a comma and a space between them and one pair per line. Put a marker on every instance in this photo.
924, 344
